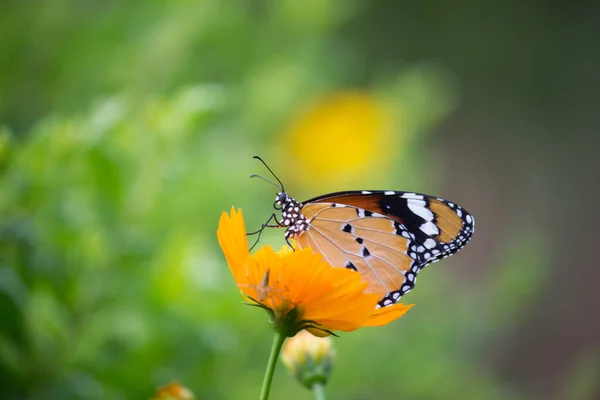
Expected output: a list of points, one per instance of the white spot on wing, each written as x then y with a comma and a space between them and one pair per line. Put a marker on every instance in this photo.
389, 192
420, 210
365, 192
429, 243
430, 228
469, 219
416, 202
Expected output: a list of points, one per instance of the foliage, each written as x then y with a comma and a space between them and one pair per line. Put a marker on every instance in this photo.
129, 128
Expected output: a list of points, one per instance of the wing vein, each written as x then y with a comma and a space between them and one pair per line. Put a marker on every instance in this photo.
357, 255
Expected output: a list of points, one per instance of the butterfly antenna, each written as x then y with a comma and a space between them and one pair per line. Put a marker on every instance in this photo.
271, 171
266, 180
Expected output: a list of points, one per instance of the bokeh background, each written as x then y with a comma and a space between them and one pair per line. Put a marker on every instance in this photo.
128, 127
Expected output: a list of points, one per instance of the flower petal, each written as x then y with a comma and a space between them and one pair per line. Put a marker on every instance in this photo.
385, 315
231, 234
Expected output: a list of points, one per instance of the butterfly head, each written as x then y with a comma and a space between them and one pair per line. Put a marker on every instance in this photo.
291, 214
290, 208
281, 199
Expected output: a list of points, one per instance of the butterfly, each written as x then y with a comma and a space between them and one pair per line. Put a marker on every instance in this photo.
387, 236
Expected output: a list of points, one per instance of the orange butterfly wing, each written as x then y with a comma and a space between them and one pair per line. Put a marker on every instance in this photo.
387, 236
440, 227
374, 245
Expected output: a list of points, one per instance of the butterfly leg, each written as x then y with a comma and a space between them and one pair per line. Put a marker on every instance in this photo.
262, 228
287, 240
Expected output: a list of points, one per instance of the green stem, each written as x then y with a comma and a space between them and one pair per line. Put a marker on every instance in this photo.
319, 391
275, 349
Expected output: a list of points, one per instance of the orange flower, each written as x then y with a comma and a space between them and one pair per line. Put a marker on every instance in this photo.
173, 391
337, 138
299, 289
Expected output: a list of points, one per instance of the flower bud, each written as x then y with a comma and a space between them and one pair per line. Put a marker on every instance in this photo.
309, 358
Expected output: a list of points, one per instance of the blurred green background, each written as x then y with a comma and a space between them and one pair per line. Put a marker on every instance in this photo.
126, 128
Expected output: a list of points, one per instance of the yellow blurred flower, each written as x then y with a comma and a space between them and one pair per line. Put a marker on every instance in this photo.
342, 137
308, 358
173, 391
299, 289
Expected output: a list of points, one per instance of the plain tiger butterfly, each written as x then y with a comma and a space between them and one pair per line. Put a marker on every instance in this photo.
387, 236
